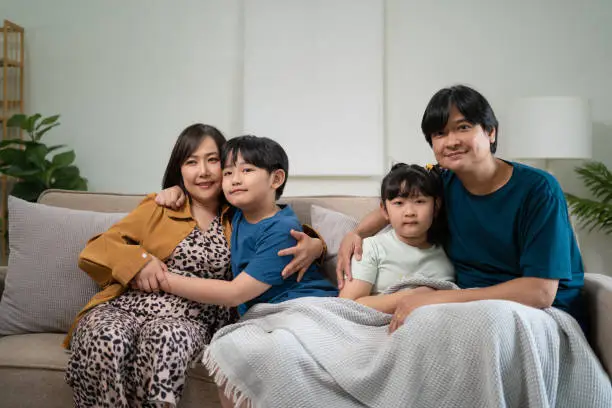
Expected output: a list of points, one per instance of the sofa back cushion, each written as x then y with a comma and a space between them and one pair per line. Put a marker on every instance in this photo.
44, 288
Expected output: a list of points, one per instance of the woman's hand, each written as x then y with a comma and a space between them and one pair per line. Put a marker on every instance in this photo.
171, 197
152, 277
350, 245
305, 252
414, 299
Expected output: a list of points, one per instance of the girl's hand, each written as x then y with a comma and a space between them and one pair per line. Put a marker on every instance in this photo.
350, 245
151, 277
414, 299
172, 197
305, 252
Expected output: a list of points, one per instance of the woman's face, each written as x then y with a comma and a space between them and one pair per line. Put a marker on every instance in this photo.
461, 145
202, 172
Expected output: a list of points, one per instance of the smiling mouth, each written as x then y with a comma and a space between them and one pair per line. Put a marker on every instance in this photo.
455, 154
207, 184
237, 191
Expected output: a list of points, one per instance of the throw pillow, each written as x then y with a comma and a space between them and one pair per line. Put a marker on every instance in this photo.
333, 226
44, 288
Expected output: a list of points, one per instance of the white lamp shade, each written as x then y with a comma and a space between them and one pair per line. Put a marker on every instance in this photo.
548, 128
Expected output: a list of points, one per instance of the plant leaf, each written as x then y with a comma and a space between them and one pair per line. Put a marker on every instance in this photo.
82, 184
598, 179
60, 175
28, 191
16, 120
48, 121
68, 178
36, 154
40, 134
30, 123
18, 172
12, 156
592, 215
63, 159
52, 148
10, 142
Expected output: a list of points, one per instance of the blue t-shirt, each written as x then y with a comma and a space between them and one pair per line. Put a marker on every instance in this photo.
255, 251
521, 230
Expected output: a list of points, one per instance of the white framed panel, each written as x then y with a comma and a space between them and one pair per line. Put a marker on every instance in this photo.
313, 81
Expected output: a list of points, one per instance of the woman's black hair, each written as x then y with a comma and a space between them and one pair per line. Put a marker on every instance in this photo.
187, 143
404, 180
472, 105
260, 152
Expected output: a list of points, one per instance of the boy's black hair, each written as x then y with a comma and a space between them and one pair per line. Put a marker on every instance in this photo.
407, 181
187, 143
472, 105
260, 152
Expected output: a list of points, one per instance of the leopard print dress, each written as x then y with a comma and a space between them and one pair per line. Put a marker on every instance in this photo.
135, 350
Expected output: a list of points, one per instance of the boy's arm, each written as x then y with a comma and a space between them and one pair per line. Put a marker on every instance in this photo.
261, 273
215, 291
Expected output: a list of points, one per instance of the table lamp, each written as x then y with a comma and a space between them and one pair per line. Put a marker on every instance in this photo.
548, 128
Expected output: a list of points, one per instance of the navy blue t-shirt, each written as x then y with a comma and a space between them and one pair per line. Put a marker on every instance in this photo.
521, 230
255, 251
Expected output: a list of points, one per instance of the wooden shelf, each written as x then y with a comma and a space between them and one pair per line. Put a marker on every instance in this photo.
12, 39
10, 63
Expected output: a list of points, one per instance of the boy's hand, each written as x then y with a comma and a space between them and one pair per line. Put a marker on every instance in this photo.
305, 252
172, 197
350, 245
150, 277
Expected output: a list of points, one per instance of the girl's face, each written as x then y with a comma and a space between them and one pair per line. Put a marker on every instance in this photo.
202, 172
461, 145
411, 217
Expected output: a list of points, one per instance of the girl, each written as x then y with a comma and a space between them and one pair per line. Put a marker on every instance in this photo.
411, 201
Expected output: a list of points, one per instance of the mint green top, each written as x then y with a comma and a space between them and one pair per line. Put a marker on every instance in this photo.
386, 260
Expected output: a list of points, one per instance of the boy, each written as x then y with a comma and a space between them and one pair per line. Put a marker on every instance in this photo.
254, 176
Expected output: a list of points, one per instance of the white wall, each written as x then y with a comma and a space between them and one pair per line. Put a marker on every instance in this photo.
127, 76
506, 50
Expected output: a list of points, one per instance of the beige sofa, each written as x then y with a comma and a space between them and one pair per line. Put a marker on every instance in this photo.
32, 365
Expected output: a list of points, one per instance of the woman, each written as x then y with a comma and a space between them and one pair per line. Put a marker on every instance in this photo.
132, 343
510, 233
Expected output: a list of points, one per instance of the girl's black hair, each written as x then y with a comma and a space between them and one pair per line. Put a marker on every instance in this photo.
187, 143
404, 180
472, 105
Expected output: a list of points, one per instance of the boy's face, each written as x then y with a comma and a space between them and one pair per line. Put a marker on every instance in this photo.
410, 217
247, 186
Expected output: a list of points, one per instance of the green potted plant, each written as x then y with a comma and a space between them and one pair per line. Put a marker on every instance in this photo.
595, 213
34, 166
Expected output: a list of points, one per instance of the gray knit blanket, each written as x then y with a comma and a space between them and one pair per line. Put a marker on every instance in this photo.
330, 352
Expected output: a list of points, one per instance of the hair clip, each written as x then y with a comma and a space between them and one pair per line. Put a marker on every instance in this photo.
429, 167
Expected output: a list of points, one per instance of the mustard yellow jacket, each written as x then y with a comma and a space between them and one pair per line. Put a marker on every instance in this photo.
114, 257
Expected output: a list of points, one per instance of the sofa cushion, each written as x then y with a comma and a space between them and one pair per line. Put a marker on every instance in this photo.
44, 288
332, 226
32, 375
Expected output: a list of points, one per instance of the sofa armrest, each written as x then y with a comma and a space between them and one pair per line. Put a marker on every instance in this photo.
3, 270
598, 290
